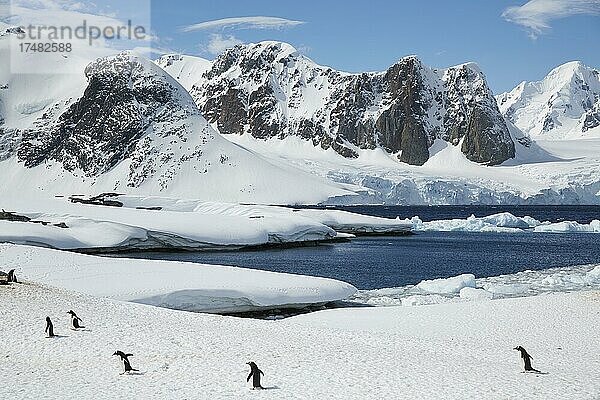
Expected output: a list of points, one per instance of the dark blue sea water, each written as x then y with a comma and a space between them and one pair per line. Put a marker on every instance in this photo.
379, 262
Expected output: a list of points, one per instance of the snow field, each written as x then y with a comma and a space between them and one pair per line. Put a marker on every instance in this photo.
177, 285
443, 351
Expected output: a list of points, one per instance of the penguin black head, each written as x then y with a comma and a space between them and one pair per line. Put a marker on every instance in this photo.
71, 312
252, 364
47, 319
519, 348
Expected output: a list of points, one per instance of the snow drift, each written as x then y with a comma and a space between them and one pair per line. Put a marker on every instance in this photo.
178, 285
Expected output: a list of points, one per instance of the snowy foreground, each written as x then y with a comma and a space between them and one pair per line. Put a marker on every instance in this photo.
177, 285
445, 351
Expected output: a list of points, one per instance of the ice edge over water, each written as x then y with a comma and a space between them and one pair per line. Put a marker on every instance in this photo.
502, 222
466, 287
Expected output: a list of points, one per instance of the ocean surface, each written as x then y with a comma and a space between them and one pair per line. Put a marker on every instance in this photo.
384, 262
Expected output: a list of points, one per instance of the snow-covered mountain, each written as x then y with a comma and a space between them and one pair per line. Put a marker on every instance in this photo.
125, 125
565, 104
270, 90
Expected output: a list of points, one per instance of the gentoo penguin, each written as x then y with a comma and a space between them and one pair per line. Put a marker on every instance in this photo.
11, 276
526, 359
49, 327
255, 375
125, 359
75, 320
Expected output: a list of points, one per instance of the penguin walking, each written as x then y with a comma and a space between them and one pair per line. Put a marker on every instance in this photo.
125, 359
255, 374
12, 277
49, 327
526, 359
75, 320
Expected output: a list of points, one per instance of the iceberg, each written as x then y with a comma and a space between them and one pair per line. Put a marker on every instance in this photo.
502, 222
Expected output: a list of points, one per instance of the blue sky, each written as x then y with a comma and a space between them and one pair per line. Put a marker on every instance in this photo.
523, 44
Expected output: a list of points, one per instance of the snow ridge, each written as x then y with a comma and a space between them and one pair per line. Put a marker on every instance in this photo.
269, 89
565, 104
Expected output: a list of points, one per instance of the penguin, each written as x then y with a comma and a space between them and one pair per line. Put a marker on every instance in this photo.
75, 320
526, 359
125, 359
49, 327
255, 375
11, 276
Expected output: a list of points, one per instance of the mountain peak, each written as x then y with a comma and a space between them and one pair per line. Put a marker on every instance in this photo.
268, 89
563, 104
565, 74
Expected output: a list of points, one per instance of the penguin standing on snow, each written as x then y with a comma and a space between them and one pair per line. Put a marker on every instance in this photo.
11, 276
255, 375
49, 327
526, 359
125, 359
75, 320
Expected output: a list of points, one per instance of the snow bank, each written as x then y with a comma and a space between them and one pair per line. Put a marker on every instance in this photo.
178, 285
166, 223
472, 293
101, 227
507, 289
447, 285
502, 222
82, 233
340, 221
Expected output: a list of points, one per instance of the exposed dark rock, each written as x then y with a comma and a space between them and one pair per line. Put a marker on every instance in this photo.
592, 118
12, 217
271, 91
99, 200
481, 141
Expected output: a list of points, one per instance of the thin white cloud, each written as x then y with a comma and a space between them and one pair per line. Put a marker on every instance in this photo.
243, 23
219, 43
536, 15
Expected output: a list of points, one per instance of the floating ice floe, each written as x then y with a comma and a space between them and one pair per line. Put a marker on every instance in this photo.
466, 288
447, 285
502, 222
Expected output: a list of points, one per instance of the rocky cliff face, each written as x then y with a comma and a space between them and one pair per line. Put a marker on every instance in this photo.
565, 104
127, 98
270, 90
129, 127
